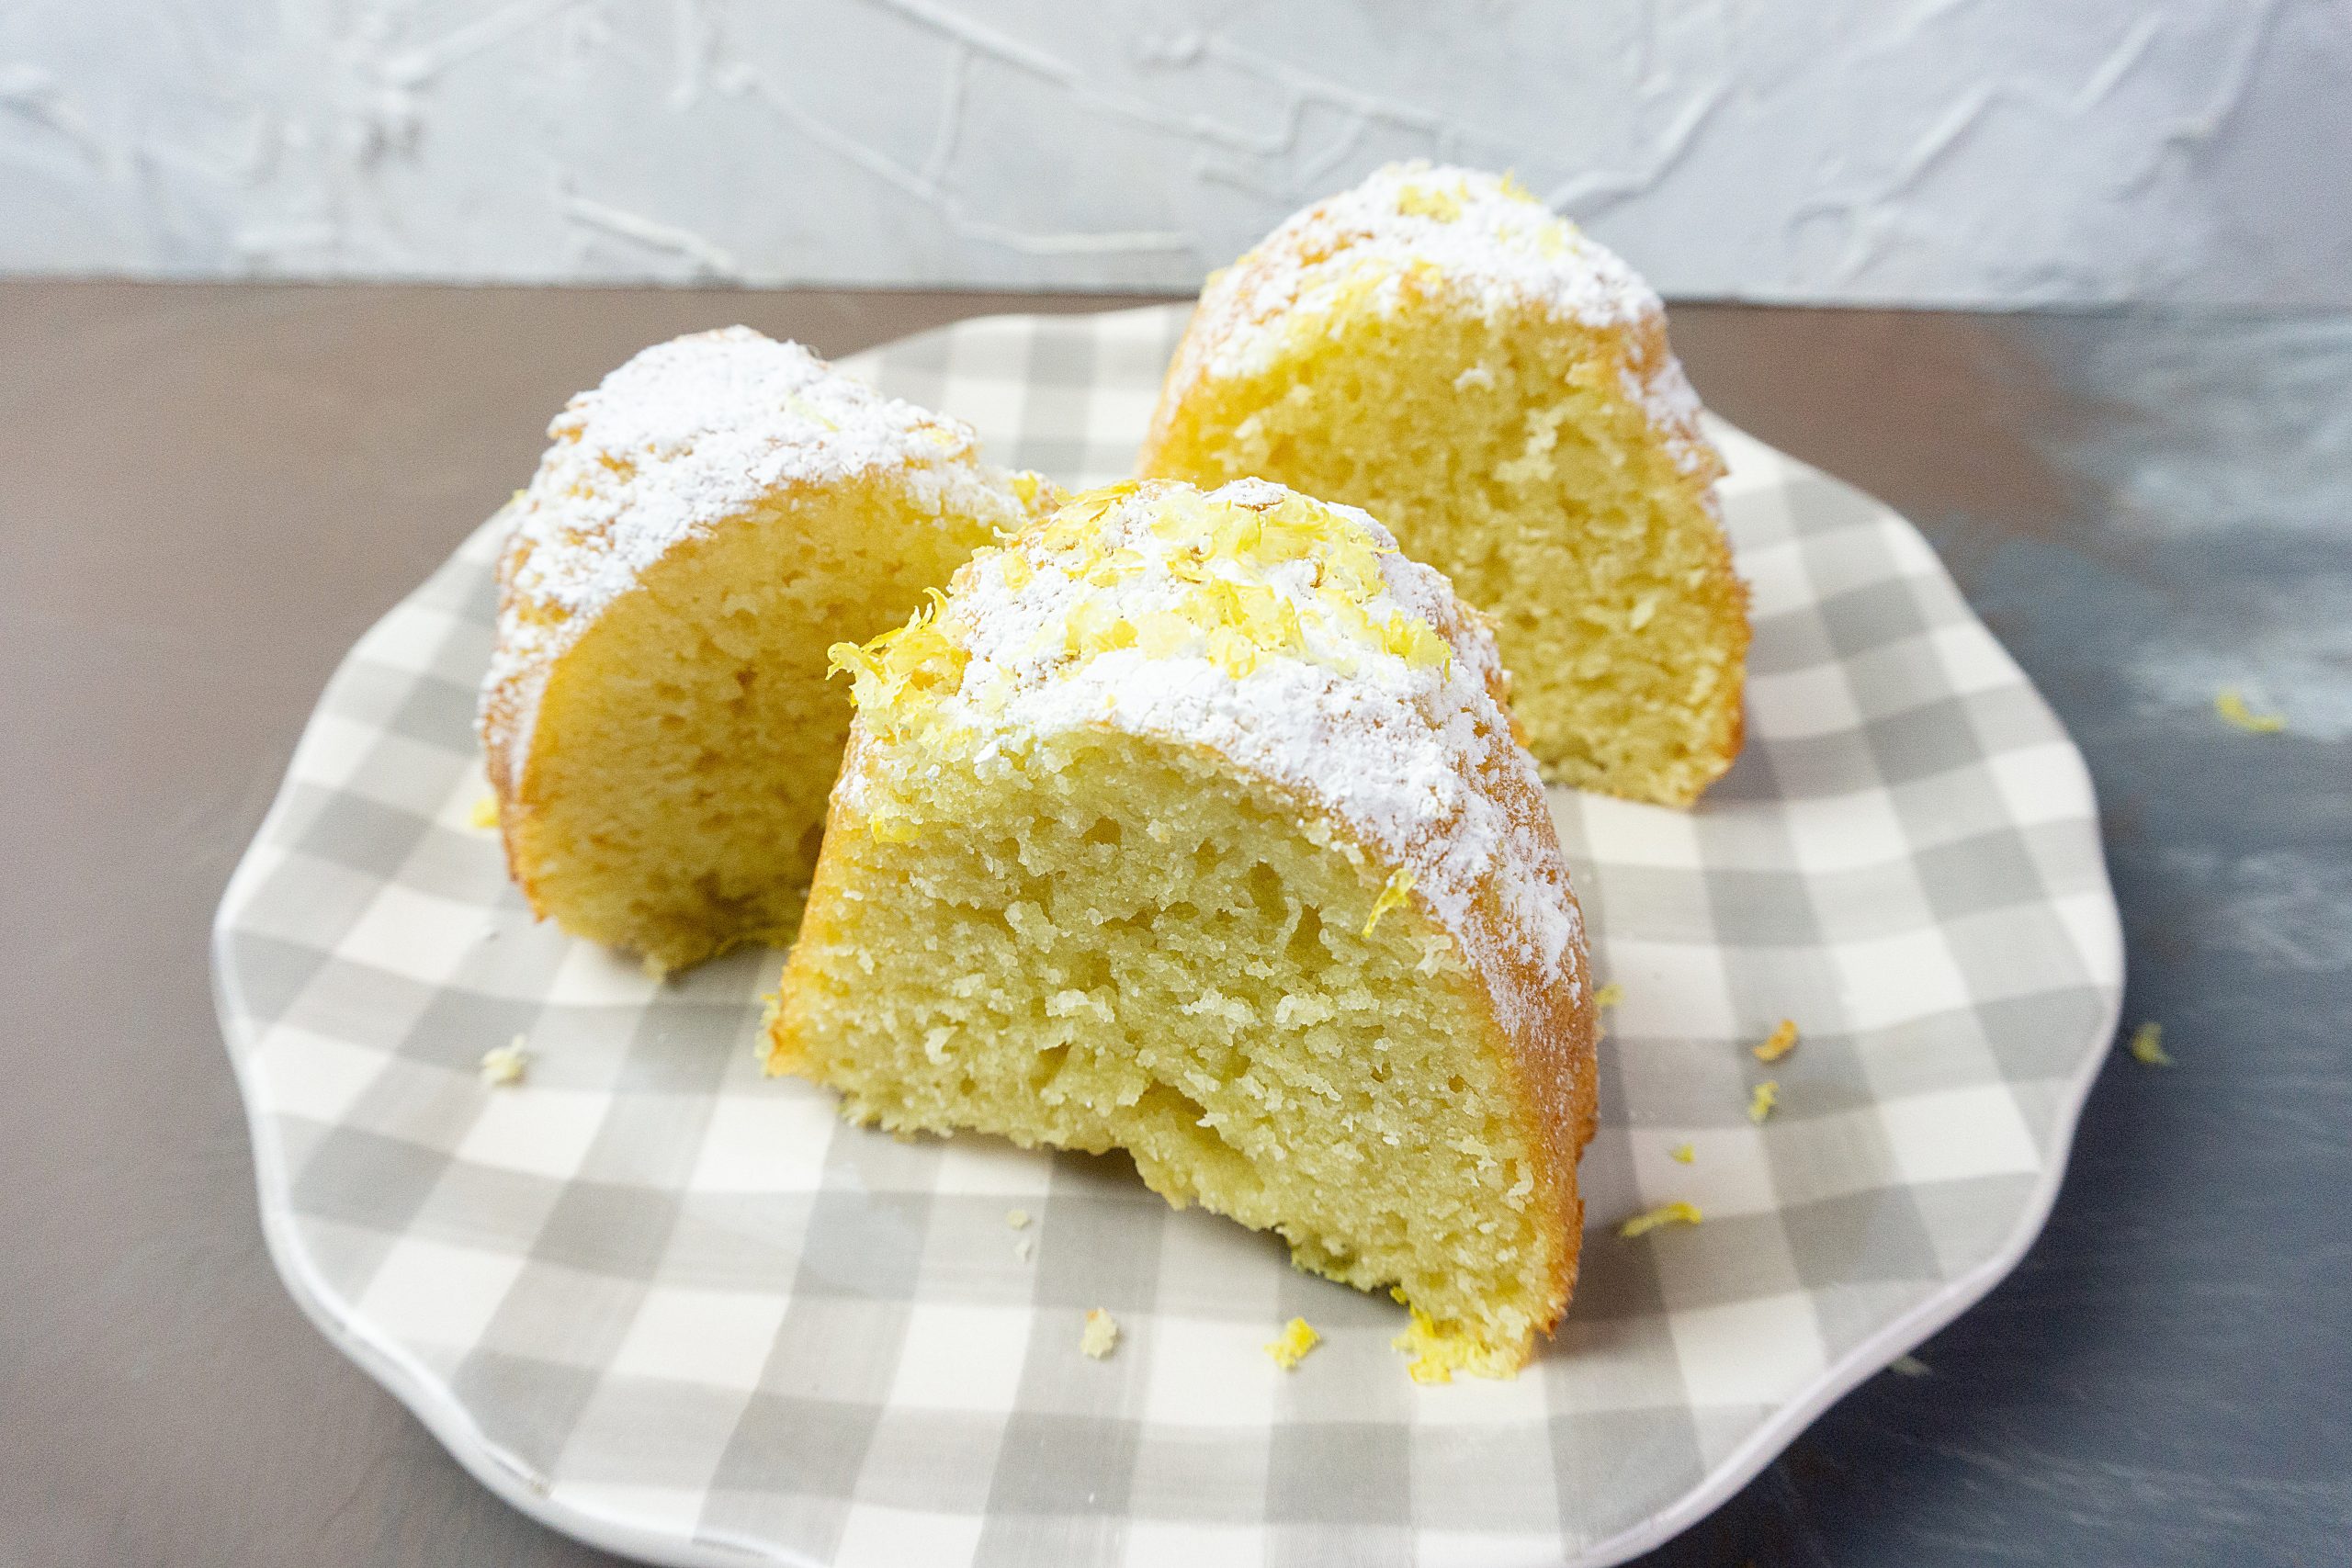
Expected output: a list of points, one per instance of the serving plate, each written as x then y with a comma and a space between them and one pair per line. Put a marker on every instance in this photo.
680, 1310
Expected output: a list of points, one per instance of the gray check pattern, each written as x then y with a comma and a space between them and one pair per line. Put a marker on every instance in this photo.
681, 1310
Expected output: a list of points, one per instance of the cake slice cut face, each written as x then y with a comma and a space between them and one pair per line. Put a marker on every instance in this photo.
1436, 347
1189, 825
657, 724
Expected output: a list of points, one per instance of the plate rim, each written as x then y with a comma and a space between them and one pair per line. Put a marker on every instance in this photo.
437, 1409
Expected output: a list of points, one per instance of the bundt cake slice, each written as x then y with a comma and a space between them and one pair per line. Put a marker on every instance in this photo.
659, 731
1438, 348
1192, 825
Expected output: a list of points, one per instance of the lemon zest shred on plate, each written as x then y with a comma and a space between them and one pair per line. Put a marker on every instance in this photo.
2230, 702
504, 1066
1779, 1043
2148, 1045
1678, 1212
1608, 996
1291, 1346
1017, 1218
1682, 1154
1763, 1100
485, 813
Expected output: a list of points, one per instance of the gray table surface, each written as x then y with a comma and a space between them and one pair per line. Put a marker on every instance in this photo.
207, 492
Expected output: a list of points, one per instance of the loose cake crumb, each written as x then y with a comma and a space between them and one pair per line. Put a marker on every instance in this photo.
1678, 1212
2148, 1045
2230, 702
1435, 1355
1100, 1335
1909, 1366
1017, 1218
484, 814
503, 1066
1021, 1248
1779, 1043
1762, 1102
1681, 1154
1608, 996
1297, 1338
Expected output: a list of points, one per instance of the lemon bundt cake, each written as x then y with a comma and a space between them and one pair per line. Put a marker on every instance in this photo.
707, 521
1194, 825
1436, 347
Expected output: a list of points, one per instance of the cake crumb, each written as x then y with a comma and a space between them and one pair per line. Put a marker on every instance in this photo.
2230, 702
1681, 1154
503, 1066
1100, 1335
1297, 1338
1779, 1043
2148, 1045
1435, 1355
1021, 1248
1608, 996
484, 814
1764, 1101
1909, 1366
1678, 1212
1017, 1218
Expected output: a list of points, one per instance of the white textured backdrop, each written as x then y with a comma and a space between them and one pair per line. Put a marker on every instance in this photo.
1926, 151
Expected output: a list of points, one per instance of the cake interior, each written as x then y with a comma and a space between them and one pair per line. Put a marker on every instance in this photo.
1116, 943
1506, 454
675, 794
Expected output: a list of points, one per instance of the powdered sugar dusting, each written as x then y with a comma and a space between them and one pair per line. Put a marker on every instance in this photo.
684, 435
1476, 235
1415, 759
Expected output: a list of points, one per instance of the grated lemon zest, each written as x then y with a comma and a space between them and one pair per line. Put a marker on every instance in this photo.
1779, 1043
1400, 882
1762, 1102
851, 659
1232, 651
1681, 1212
2230, 702
1415, 641
1682, 1154
2147, 1046
1422, 201
1093, 628
1608, 996
484, 814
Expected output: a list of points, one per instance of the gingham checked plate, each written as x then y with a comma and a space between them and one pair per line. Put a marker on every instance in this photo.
680, 1310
